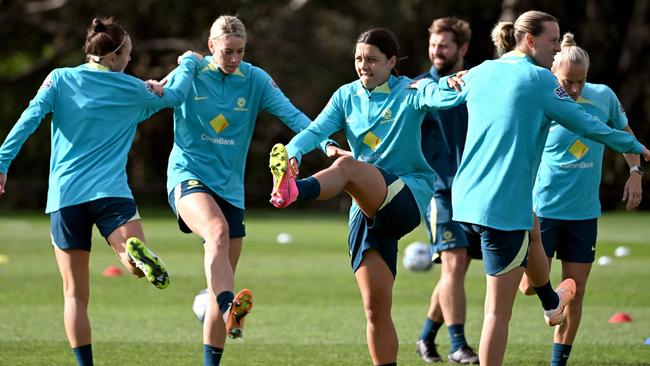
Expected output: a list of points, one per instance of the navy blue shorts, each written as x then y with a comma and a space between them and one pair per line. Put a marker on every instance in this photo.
502, 250
71, 227
398, 216
444, 233
572, 240
234, 215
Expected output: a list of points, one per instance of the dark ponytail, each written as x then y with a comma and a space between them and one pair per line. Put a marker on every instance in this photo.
103, 37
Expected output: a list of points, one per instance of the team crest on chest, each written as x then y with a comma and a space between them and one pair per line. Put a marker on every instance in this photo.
386, 116
241, 105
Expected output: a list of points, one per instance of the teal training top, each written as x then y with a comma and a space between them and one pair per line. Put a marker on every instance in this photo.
95, 113
382, 127
569, 174
214, 127
511, 102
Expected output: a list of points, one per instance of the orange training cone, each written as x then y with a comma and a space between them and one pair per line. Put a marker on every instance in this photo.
620, 317
112, 271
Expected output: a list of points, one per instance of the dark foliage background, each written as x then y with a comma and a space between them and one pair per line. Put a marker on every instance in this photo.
306, 45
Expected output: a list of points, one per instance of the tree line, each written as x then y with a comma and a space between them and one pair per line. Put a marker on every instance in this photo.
306, 46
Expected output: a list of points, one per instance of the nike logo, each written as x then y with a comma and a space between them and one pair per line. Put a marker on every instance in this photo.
593, 249
199, 98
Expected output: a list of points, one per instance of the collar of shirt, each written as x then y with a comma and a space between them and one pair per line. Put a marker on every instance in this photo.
210, 66
95, 66
384, 88
518, 54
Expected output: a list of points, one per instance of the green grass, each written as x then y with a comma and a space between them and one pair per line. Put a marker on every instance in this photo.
308, 309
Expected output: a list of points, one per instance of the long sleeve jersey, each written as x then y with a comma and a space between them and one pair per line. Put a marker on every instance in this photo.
95, 113
382, 127
213, 128
511, 103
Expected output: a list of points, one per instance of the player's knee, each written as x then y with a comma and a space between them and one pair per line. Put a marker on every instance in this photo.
217, 238
376, 311
344, 162
455, 261
498, 315
72, 293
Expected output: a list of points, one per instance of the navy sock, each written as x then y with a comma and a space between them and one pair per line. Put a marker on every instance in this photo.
548, 296
560, 355
211, 355
456, 336
308, 188
83, 355
430, 330
388, 364
224, 299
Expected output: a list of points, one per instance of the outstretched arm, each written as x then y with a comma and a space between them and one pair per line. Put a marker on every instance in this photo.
633, 191
39, 107
559, 106
158, 86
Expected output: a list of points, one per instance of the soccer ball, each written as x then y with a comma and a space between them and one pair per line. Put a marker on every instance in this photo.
417, 256
200, 304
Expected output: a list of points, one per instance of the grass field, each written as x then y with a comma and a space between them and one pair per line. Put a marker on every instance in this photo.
308, 310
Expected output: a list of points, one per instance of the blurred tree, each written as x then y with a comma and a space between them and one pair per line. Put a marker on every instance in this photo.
306, 46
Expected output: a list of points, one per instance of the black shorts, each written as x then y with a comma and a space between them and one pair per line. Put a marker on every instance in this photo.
572, 240
398, 216
234, 215
71, 227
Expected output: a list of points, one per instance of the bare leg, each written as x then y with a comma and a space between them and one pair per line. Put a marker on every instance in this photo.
73, 266
499, 298
360, 180
214, 329
117, 240
451, 286
579, 272
365, 183
375, 282
537, 273
204, 217
435, 310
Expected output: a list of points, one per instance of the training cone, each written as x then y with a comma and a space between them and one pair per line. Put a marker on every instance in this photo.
4, 259
620, 317
112, 271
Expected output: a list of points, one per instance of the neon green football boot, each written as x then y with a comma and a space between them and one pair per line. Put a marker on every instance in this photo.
154, 268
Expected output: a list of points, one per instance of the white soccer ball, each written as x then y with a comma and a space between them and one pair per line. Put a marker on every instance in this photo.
284, 238
417, 256
605, 261
622, 252
200, 304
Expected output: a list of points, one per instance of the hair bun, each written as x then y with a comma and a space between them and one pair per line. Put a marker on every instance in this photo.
98, 26
568, 40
